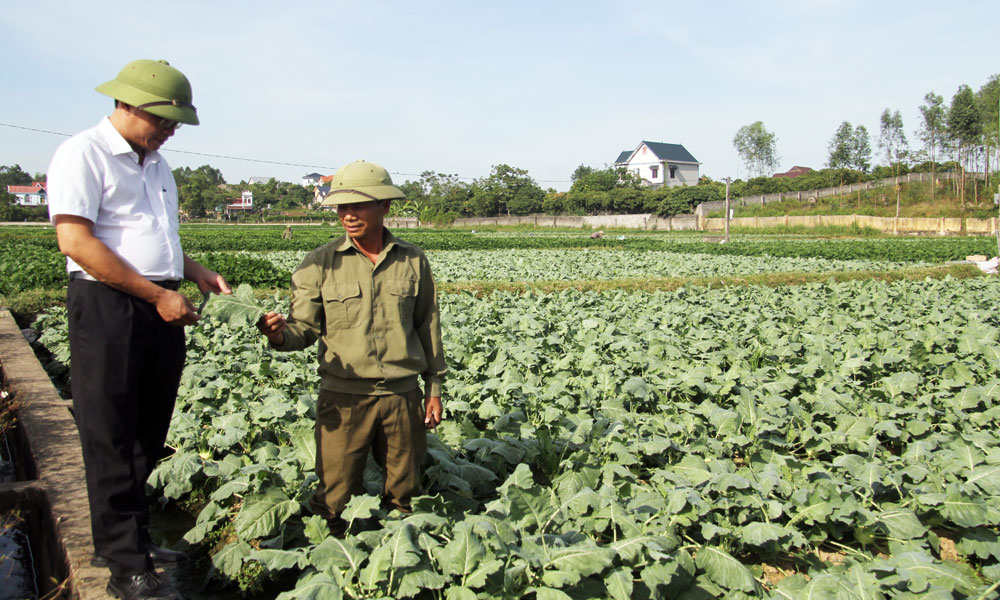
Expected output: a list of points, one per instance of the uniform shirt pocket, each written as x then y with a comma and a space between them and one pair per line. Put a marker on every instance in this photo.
402, 294
342, 303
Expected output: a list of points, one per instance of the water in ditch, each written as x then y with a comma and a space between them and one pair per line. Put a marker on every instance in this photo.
16, 571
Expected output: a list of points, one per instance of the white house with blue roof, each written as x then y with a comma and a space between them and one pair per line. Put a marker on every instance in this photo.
660, 164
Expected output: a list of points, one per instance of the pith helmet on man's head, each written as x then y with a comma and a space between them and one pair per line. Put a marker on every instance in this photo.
361, 181
155, 87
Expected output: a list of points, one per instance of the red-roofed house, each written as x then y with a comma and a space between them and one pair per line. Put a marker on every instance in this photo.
794, 172
29, 195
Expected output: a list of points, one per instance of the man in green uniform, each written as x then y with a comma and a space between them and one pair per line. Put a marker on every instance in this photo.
370, 300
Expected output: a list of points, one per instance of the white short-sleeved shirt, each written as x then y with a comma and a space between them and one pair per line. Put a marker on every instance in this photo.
96, 175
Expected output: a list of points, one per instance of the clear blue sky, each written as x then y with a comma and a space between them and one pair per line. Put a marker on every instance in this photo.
457, 87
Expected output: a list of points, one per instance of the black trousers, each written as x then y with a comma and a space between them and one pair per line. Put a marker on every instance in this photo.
125, 367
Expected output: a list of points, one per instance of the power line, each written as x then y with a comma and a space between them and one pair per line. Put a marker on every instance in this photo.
257, 160
272, 162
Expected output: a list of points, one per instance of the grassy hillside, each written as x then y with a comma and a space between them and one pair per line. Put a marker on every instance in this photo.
915, 201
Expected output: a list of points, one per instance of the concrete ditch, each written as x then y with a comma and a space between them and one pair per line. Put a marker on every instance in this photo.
52, 497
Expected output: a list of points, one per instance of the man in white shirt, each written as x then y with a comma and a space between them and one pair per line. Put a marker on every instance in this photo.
113, 201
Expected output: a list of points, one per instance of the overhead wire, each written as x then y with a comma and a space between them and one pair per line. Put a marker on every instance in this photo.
256, 160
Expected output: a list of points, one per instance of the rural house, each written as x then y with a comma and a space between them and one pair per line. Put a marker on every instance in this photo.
245, 203
794, 172
29, 195
310, 179
660, 164
320, 192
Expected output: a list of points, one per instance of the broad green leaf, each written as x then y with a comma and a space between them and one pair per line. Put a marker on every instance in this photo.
964, 511
397, 552
316, 528
980, 542
902, 523
319, 586
457, 592
304, 442
547, 593
899, 384
920, 570
619, 584
567, 565
466, 558
986, 478
630, 548
360, 507
337, 553
520, 478
230, 559
209, 516
758, 534
238, 309
277, 560
530, 508
412, 583
261, 515
725, 570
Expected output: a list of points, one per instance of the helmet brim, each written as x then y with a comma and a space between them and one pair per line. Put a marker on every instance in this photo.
360, 194
136, 97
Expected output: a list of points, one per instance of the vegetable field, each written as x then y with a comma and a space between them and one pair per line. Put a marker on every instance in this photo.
30, 259
827, 440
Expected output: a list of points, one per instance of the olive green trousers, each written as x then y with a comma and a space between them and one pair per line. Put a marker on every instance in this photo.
348, 426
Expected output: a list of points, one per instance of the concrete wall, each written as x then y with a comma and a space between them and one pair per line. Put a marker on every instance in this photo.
402, 222
943, 226
643, 221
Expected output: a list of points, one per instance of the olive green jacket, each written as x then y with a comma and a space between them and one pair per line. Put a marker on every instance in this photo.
378, 324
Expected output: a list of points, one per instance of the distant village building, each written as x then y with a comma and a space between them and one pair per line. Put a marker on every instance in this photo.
29, 195
245, 204
794, 172
310, 179
319, 193
659, 164
254, 180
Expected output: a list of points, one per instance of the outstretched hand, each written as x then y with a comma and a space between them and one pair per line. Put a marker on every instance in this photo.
272, 325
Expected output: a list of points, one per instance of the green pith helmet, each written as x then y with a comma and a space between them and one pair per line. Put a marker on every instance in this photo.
155, 87
361, 181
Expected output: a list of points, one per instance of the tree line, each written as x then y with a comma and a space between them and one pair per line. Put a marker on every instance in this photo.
964, 133
961, 135
204, 191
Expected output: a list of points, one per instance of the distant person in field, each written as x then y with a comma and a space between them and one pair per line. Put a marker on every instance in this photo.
287, 234
113, 201
371, 301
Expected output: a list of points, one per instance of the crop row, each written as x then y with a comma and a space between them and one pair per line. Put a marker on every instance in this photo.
268, 238
35, 263
577, 265
634, 445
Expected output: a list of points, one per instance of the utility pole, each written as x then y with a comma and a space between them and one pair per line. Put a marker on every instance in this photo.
727, 213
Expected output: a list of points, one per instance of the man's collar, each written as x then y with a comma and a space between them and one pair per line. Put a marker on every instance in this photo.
118, 144
388, 241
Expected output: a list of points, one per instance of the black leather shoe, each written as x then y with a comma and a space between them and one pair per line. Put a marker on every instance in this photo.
141, 587
162, 557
